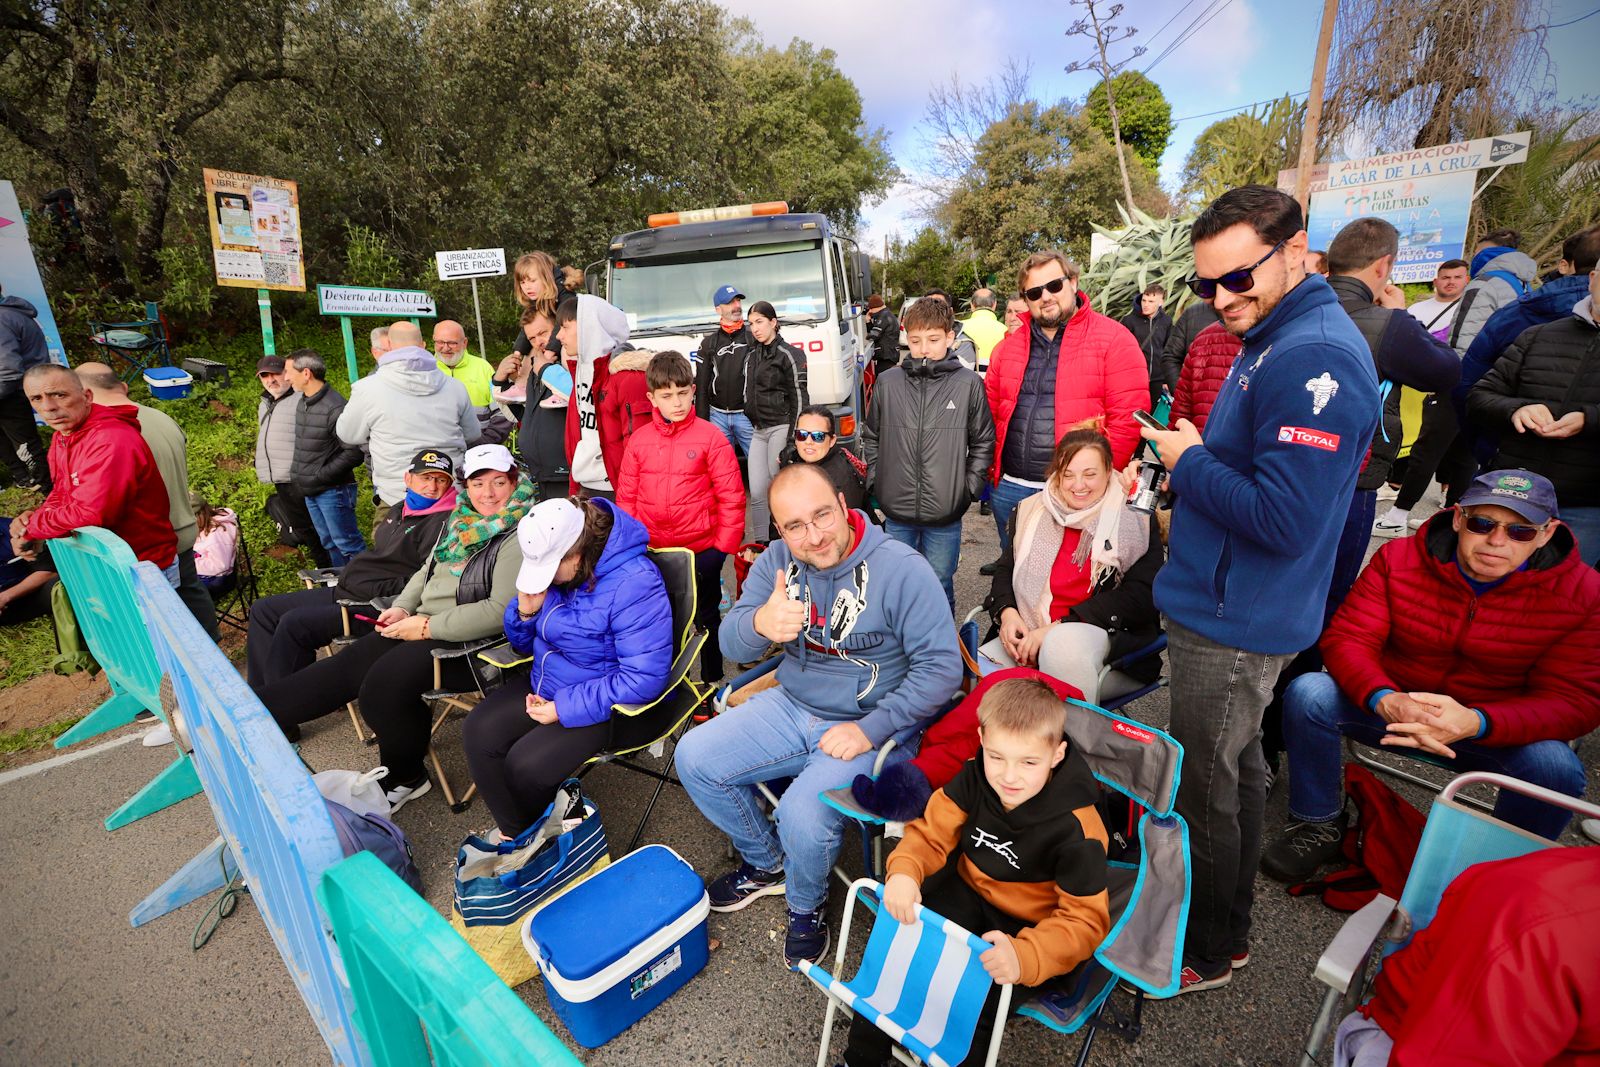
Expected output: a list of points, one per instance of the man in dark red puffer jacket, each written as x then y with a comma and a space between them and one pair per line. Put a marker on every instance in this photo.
1205, 368
1479, 648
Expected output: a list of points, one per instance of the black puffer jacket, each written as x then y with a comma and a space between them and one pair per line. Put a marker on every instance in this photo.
321, 460
1151, 332
928, 441
719, 374
400, 548
1405, 353
1126, 610
1031, 434
1557, 365
774, 384
1196, 317
883, 335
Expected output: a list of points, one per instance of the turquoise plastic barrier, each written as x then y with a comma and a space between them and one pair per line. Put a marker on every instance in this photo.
96, 566
421, 994
274, 824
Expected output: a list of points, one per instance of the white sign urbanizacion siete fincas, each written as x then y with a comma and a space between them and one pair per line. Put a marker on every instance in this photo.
471, 263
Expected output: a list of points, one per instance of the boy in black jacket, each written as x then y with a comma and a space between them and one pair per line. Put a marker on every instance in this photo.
1012, 849
929, 442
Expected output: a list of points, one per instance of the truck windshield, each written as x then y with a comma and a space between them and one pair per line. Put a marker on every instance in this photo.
666, 294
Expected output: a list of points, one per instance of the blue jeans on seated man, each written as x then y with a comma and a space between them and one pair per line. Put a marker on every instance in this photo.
1316, 713
735, 426
771, 736
333, 513
939, 545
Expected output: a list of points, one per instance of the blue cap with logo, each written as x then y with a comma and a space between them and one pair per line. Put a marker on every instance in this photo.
726, 295
1524, 492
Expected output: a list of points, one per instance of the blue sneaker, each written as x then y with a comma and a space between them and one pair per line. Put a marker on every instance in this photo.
806, 939
737, 888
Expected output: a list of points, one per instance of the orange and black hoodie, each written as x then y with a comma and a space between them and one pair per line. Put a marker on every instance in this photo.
1043, 862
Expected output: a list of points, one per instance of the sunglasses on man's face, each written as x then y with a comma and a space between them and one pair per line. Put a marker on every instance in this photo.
816, 437
1235, 281
1520, 532
1054, 285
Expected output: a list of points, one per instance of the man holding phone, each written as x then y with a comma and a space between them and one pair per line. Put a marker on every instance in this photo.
1258, 507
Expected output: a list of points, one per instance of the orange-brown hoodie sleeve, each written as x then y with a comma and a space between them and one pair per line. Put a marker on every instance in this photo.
929, 840
1082, 916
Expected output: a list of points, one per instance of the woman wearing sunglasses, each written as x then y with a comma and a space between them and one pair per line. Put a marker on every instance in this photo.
816, 440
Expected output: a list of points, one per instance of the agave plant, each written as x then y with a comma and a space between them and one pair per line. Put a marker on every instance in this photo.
1149, 251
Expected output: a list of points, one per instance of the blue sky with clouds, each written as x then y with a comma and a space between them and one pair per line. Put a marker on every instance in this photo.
1241, 52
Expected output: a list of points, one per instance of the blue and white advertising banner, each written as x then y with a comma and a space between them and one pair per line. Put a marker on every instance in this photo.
19, 272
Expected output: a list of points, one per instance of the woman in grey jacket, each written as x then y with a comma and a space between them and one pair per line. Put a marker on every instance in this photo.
460, 594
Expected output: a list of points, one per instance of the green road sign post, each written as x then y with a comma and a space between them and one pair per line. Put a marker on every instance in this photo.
349, 301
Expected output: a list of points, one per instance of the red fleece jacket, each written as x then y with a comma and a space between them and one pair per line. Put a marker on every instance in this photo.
105, 476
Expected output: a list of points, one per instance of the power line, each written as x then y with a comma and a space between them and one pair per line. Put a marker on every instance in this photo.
1238, 108
1178, 40
1187, 5
1195, 27
1572, 22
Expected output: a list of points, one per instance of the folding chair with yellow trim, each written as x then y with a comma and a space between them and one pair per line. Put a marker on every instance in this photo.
657, 725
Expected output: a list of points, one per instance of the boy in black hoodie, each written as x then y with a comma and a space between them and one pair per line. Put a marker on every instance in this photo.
1012, 849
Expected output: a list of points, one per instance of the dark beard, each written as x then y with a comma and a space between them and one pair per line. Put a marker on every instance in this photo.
1050, 322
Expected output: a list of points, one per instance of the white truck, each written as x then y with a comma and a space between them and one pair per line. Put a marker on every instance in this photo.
663, 278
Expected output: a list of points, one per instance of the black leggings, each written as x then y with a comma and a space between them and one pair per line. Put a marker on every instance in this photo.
1441, 451
948, 894
517, 763
390, 695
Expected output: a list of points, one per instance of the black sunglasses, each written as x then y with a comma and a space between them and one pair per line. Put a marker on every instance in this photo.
1054, 285
1518, 531
814, 436
1235, 281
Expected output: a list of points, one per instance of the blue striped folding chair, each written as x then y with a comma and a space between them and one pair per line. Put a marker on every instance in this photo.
920, 983
1458, 834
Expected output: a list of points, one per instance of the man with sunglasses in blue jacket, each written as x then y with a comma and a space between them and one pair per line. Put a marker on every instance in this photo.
1258, 507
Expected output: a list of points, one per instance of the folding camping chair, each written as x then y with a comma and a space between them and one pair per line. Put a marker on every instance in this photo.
921, 983
656, 725
1148, 884
137, 345
237, 591
1118, 686
1456, 837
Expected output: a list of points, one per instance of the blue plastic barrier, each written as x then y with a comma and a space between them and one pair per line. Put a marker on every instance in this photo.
422, 995
274, 824
96, 566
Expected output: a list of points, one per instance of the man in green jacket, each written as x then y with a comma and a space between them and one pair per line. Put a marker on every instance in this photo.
474, 372
984, 326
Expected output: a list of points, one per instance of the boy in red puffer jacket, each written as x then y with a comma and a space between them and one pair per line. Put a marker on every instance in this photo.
680, 477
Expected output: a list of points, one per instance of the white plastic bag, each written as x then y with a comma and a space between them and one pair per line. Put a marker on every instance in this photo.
361, 793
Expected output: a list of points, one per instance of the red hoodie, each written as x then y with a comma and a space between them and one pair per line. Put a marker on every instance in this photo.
681, 479
105, 476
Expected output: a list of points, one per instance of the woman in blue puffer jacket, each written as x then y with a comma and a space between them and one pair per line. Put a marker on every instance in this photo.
593, 611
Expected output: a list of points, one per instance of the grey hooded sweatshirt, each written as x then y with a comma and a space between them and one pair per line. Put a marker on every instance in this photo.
407, 405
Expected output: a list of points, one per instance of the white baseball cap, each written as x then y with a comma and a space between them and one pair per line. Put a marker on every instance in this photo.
488, 458
545, 535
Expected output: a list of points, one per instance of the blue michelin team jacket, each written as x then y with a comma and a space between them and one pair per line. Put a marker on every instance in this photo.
601, 644
1259, 509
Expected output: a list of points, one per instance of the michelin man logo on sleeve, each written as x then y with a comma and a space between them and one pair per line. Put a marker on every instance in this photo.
1322, 390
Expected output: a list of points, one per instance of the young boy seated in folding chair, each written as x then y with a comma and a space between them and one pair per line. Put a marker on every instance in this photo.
1013, 849
1475, 642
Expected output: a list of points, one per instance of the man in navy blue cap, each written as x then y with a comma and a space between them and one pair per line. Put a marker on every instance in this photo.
719, 374
1474, 641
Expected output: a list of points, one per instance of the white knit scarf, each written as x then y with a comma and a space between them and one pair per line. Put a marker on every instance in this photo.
1112, 538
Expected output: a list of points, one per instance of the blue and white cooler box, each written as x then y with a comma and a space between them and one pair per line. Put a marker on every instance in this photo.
168, 383
617, 945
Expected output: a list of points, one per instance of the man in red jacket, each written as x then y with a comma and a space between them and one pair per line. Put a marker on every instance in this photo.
104, 473
1066, 364
1508, 972
1477, 641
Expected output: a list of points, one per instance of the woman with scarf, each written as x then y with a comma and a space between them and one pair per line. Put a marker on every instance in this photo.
460, 594
1073, 589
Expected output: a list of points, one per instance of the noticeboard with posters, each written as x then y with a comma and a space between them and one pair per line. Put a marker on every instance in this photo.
255, 231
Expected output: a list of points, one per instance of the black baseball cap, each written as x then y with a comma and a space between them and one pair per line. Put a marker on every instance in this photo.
270, 365
1524, 492
433, 459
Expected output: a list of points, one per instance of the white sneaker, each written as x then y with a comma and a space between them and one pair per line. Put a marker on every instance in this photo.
1384, 528
1387, 492
160, 735
401, 795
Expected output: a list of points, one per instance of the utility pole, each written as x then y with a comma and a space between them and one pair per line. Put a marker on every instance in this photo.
1308, 133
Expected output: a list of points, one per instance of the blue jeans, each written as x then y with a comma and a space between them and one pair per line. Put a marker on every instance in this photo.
333, 513
1003, 500
940, 545
1316, 712
735, 426
770, 736
1585, 525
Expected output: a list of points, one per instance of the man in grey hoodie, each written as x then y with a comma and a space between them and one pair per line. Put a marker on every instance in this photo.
22, 345
407, 405
868, 654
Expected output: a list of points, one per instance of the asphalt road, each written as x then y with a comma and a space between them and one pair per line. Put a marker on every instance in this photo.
79, 986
